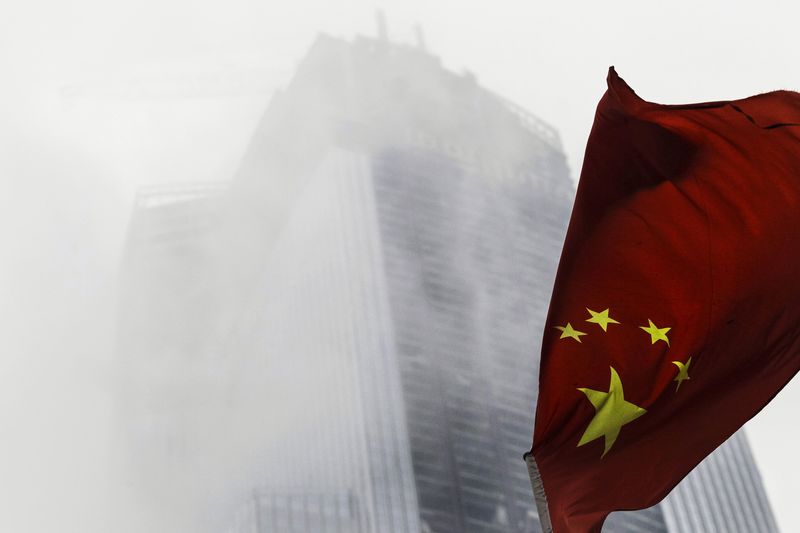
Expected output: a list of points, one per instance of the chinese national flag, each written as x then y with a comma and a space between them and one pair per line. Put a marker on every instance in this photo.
675, 315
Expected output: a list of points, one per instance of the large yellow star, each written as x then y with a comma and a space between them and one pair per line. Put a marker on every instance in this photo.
611, 413
656, 333
601, 318
568, 332
683, 372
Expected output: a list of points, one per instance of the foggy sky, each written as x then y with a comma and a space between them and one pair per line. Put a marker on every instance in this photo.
81, 135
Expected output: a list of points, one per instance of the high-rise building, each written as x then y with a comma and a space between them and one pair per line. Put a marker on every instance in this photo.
373, 286
724, 493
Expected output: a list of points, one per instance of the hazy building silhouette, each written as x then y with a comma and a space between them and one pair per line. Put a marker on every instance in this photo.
373, 285
298, 512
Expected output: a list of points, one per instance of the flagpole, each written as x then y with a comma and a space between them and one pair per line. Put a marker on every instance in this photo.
539, 495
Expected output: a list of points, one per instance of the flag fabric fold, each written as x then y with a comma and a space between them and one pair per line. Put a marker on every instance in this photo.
675, 315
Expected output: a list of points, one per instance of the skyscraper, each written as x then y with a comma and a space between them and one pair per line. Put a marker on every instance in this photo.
724, 493
375, 280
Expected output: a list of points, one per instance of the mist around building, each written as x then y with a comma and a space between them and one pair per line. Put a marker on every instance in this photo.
344, 334
336, 329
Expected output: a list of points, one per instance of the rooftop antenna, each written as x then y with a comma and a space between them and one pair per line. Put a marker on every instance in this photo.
380, 17
420, 36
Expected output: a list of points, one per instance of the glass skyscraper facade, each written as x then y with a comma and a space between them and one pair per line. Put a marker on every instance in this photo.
376, 277
724, 493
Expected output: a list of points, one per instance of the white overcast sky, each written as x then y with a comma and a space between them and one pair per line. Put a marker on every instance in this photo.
550, 57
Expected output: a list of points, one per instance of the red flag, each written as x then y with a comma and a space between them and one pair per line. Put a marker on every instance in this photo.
675, 315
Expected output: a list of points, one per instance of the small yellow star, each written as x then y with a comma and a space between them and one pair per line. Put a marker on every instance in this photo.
683, 372
611, 413
656, 334
601, 318
568, 331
